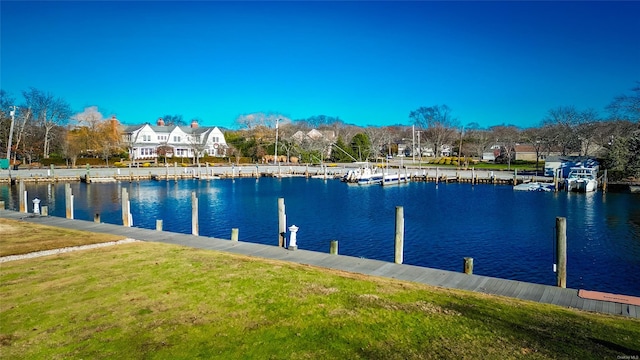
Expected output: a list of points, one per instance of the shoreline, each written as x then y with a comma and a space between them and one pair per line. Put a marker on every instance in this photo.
546, 294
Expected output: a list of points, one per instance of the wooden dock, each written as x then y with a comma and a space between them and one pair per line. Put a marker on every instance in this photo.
568, 298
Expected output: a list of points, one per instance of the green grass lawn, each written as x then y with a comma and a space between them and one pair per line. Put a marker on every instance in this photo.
160, 301
21, 238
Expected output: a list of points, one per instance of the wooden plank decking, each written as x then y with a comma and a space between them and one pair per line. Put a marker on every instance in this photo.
447, 279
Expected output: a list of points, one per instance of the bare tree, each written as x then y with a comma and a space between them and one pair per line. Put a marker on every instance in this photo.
438, 123
380, 138
6, 104
586, 130
198, 144
626, 107
174, 120
508, 136
478, 139
535, 137
49, 111
564, 121
268, 120
23, 123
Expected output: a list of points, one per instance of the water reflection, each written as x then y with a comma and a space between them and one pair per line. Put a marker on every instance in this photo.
509, 234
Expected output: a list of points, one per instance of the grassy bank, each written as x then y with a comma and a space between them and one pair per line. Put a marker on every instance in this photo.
21, 238
146, 300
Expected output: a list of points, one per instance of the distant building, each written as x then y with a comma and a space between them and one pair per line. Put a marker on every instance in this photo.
526, 152
324, 137
148, 142
491, 153
445, 150
565, 163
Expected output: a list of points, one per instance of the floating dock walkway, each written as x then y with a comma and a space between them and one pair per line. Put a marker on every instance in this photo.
570, 298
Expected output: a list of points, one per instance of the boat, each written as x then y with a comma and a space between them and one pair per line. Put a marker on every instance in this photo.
582, 179
392, 179
533, 186
363, 176
369, 177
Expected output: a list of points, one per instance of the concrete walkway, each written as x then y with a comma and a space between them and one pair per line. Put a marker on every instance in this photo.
448, 279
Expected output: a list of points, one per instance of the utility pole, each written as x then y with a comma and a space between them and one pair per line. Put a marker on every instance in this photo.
275, 156
419, 149
460, 147
413, 138
13, 115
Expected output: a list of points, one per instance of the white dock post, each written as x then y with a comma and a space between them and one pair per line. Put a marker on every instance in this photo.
36, 206
194, 213
282, 222
293, 244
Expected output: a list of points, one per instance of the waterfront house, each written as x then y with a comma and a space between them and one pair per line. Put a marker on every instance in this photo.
552, 163
147, 142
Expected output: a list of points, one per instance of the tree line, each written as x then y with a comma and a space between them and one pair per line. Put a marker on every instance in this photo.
566, 130
45, 126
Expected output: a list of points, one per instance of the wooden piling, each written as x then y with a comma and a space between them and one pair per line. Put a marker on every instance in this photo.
399, 238
333, 248
468, 265
158, 225
2, 206
282, 223
515, 177
604, 181
68, 200
23, 198
194, 214
125, 208
234, 234
561, 251
96, 218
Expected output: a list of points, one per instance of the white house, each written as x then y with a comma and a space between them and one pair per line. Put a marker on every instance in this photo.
148, 142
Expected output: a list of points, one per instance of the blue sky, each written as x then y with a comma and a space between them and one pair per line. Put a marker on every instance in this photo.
369, 63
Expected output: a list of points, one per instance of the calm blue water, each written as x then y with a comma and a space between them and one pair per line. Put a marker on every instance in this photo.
510, 234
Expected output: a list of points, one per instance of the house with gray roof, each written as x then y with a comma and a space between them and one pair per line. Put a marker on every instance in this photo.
147, 142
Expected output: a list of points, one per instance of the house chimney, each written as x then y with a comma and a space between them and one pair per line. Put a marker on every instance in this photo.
194, 123
160, 122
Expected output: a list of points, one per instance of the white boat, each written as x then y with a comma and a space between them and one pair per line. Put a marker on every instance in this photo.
582, 179
392, 179
363, 176
533, 186
370, 178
